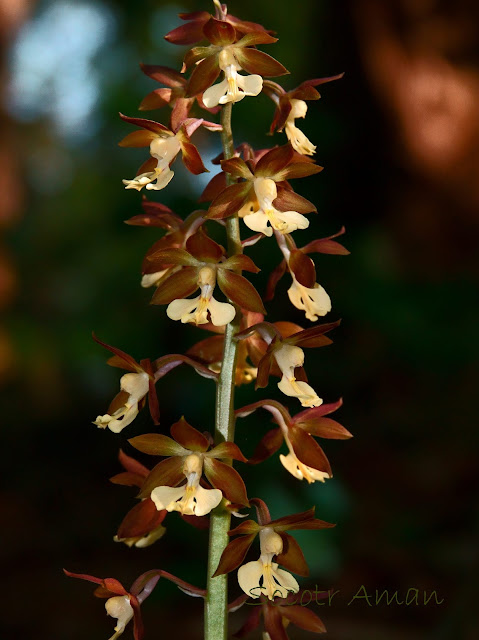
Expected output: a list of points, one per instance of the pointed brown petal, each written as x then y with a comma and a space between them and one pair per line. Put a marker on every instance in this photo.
120, 363
268, 445
166, 363
303, 618
187, 33
274, 161
299, 170
254, 38
262, 511
186, 587
273, 623
306, 92
245, 528
237, 168
156, 99
123, 360
303, 268
150, 125
165, 75
128, 479
168, 472
214, 187
288, 200
203, 76
179, 285
327, 245
252, 240
204, 248
273, 406
264, 371
245, 26
132, 465
196, 54
227, 480
234, 554
141, 520
308, 450
147, 166
83, 576
163, 258
138, 139
219, 32
325, 428
240, 262
228, 450
275, 276
317, 412
188, 436
192, 159
254, 61
230, 200
286, 522
156, 215
138, 629
240, 291
156, 444
314, 337
292, 557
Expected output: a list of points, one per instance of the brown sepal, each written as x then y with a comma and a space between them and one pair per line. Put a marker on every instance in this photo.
168, 472
219, 32
215, 186
192, 159
157, 444
229, 201
313, 337
288, 200
292, 557
303, 618
240, 262
227, 480
237, 168
274, 161
137, 139
240, 291
179, 285
120, 359
303, 268
149, 125
192, 31
165, 75
234, 554
227, 450
204, 248
267, 446
188, 436
203, 76
254, 61
275, 276
308, 450
141, 520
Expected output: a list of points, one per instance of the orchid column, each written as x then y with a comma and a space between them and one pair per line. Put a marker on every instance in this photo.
252, 192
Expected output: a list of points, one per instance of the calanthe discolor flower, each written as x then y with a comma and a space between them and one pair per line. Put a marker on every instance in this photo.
164, 150
288, 358
190, 499
263, 577
234, 87
135, 387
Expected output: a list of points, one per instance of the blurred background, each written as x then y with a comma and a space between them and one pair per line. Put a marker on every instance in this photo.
399, 139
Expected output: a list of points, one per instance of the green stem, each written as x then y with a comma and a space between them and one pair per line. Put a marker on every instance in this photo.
216, 602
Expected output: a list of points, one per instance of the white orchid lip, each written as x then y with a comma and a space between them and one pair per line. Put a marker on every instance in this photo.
164, 149
190, 499
297, 138
288, 357
119, 607
313, 301
196, 309
282, 221
136, 385
301, 471
234, 87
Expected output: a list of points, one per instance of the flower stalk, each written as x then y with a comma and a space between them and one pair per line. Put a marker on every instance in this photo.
216, 601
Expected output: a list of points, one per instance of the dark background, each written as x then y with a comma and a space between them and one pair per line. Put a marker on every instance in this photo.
398, 137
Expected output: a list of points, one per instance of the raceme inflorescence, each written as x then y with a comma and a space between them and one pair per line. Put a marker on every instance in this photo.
200, 282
